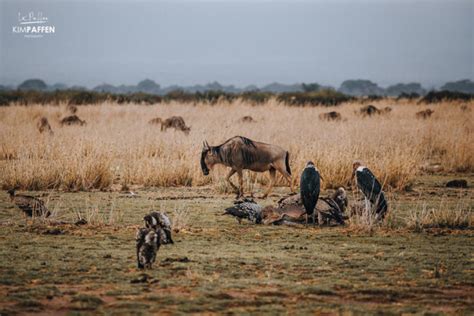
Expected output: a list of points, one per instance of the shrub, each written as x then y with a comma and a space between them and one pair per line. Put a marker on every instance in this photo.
440, 96
325, 97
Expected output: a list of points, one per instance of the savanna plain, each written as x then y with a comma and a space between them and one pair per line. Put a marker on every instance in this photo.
118, 167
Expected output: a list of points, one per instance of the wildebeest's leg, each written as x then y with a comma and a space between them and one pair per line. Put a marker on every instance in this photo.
280, 166
241, 184
272, 181
230, 174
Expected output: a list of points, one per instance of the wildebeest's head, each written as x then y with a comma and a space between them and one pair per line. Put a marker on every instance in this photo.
209, 157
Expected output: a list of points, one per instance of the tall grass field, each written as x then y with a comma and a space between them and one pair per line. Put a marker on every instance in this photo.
119, 148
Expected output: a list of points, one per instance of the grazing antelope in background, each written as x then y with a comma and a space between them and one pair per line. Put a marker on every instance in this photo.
241, 153
156, 120
43, 126
424, 114
247, 119
176, 122
72, 120
330, 116
71, 109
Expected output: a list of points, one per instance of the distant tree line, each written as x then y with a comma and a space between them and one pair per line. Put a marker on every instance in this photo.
315, 98
36, 91
357, 88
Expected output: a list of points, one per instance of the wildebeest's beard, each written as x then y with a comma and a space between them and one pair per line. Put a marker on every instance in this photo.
205, 169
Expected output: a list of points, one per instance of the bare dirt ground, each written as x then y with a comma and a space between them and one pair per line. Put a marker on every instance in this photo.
219, 266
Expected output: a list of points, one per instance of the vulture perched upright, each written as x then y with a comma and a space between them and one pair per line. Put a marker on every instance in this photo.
30, 205
309, 188
245, 209
161, 223
148, 244
371, 188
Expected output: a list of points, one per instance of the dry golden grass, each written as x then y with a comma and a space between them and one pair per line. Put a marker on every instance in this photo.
118, 146
441, 216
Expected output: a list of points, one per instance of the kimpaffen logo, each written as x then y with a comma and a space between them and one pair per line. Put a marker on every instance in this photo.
33, 25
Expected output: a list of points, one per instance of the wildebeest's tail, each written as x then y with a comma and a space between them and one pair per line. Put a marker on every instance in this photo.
287, 163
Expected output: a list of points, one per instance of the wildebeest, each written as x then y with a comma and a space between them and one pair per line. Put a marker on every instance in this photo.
457, 183
147, 245
330, 116
241, 153
247, 119
43, 126
156, 120
71, 108
30, 205
176, 122
72, 120
424, 114
369, 110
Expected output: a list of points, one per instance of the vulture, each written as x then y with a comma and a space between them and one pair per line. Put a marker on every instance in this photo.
309, 188
30, 205
290, 210
340, 197
371, 188
331, 208
161, 223
148, 244
245, 209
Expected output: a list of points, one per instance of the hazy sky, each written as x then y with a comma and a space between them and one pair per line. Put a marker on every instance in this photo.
241, 42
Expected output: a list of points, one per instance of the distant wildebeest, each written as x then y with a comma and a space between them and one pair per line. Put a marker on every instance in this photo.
330, 116
43, 126
369, 110
71, 109
72, 120
156, 120
247, 119
241, 153
176, 122
424, 114
457, 183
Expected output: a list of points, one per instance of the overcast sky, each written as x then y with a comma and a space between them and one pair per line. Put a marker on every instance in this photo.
240, 42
